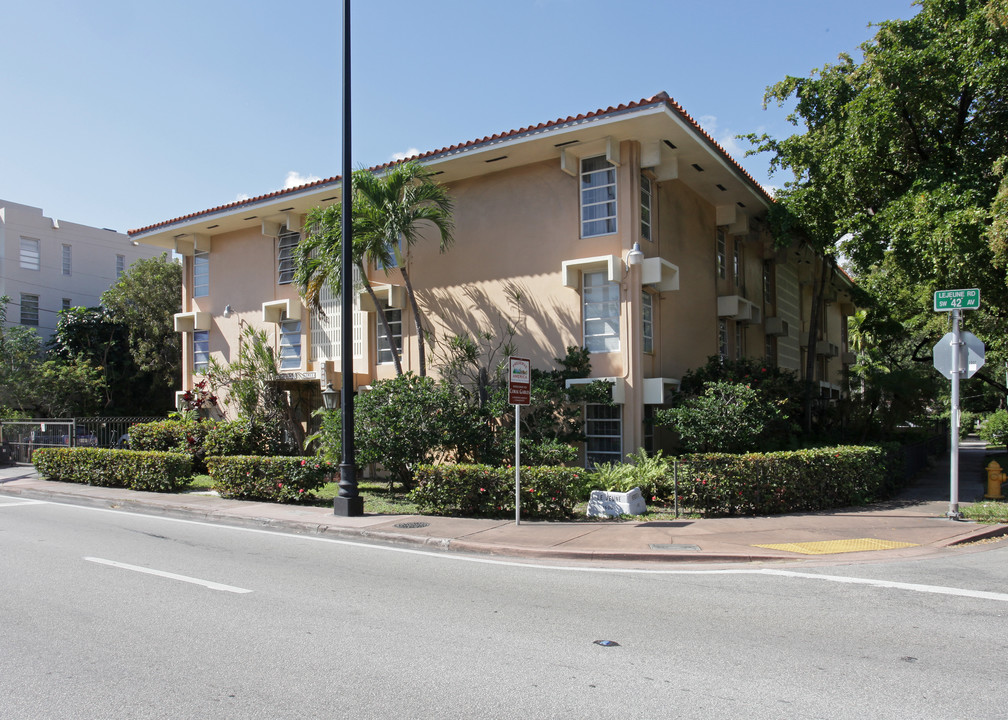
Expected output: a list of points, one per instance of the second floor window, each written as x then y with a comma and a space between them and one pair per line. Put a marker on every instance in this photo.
30, 257
120, 266
647, 320
285, 257
290, 345
737, 264
645, 207
394, 317
600, 298
67, 259
201, 273
722, 255
598, 197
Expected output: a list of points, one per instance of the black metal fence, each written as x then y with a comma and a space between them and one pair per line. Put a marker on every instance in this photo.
20, 438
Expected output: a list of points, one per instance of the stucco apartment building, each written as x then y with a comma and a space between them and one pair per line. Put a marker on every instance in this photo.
627, 230
48, 265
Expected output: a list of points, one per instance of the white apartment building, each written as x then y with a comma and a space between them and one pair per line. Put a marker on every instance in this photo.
47, 265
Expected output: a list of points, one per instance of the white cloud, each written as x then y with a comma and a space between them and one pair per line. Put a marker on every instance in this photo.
396, 157
296, 179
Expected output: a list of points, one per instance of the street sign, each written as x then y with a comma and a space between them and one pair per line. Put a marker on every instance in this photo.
949, 300
519, 381
971, 355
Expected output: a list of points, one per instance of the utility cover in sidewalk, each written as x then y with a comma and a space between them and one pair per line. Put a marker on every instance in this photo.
830, 547
675, 547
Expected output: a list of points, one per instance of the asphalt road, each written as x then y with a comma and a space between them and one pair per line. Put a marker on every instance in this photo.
111, 615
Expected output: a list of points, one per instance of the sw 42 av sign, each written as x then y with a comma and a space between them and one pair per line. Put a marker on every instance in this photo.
949, 300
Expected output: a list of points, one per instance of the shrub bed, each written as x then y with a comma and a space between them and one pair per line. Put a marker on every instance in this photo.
137, 470
268, 479
547, 493
780, 482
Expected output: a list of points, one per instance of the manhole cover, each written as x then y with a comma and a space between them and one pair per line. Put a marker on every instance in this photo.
411, 525
674, 547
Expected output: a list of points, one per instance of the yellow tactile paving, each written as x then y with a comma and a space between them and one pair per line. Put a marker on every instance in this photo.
830, 547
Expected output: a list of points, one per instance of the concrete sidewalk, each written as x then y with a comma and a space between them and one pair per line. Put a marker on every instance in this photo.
914, 524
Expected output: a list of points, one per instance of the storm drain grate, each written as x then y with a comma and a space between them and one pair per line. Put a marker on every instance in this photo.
411, 525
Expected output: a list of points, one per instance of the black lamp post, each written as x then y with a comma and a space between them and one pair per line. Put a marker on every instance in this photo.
348, 502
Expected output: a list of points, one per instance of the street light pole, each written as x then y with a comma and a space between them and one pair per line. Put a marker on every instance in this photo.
348, 502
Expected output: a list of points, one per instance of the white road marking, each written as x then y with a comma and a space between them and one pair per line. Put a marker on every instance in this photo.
172, 576
882, 584
18, 503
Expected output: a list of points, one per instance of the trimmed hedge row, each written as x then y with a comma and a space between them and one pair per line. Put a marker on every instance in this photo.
201, 438
133, 469
781, 482
268, 479
547, 493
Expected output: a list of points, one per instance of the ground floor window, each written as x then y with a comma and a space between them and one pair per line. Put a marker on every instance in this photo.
601, 313
29, 309
723, 339
201, 351
604, 434
290, 345
394, 318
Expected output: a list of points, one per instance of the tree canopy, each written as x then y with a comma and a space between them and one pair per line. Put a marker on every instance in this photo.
900, 163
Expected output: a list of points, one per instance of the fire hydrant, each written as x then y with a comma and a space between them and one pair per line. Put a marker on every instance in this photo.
994, 479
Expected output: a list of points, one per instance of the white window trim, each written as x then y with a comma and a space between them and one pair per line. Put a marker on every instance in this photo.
647, 323
380, 336
285, 255
67, 260
290, 329
721, 251
610, 455
647, 195
201, 281
615, 199
200, 368
585, 319
29, 258
23, 316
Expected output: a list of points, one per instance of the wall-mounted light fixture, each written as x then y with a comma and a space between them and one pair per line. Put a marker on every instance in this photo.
228, 311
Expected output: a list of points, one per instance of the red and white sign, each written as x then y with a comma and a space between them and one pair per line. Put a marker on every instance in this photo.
519, 380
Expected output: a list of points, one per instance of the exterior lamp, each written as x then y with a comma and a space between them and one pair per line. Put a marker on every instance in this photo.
330, 398
635, 256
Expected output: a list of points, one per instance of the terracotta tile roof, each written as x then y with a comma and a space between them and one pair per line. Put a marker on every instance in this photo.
658, 99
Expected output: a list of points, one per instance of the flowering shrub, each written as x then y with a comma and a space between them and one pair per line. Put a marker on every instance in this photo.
547, 493
245, 437
268, 479
133, 469
771, 483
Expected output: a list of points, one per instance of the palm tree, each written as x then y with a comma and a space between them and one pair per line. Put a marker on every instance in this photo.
394, 209
318, 257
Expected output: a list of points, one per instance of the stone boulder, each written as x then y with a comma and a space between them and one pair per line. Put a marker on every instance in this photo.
614, 504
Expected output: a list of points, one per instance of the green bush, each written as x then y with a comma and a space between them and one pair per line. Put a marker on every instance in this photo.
245, 437
547, 493
781, 482
652, 474
134, 469
268, 479
179, 436
728, 417
994, 431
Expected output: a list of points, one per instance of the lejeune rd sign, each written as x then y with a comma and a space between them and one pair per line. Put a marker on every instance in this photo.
949, 300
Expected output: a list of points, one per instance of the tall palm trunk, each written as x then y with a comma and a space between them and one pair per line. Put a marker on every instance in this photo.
421, 341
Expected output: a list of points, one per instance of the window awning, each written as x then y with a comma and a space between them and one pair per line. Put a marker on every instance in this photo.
618, 386
660, 273
739, 309
394, 296
656, 390
192, 321
276, 311
611, 264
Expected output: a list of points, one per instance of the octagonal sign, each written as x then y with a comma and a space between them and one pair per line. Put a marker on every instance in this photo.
971, 355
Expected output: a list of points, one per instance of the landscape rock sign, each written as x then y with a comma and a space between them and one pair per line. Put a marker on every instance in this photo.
614, 504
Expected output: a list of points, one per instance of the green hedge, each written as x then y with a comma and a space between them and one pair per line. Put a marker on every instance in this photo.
547, 493
781, 482
179, 436
268, 479
133, 469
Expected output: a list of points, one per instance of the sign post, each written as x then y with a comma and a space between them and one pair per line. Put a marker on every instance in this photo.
519, 393
955, 301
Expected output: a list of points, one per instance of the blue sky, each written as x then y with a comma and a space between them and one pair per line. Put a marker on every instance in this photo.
122, 114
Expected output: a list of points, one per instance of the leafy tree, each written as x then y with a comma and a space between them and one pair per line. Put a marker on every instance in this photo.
20, 350
145, 299
728, 417
899, 162
70, 389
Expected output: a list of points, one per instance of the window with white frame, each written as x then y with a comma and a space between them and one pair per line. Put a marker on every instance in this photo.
645, 207
290, 344
722, 255
286, 244
29, 309
723, 339
67, 259
598, 197
394, 318
739, 341
120, 266
647, 322
603, 434
201, 351
600, 299
30, 256
768, 281
201, 273
737, 263
66, 304
326, 325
